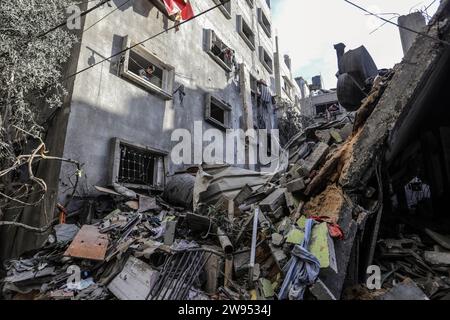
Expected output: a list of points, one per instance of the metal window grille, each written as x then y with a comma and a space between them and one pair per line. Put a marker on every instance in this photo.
137, 166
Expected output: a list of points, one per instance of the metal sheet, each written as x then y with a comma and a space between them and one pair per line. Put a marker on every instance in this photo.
89, 244
147, 203
134, 282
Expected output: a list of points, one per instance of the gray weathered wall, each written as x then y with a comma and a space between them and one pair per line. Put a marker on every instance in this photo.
105, 105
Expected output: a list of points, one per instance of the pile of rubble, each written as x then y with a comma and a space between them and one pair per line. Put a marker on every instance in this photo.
309, 231
413, 267
237, 234
240, 235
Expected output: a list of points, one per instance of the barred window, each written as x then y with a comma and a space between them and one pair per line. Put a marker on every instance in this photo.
138, 167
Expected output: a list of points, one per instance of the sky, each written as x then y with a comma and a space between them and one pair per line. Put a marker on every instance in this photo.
308, 29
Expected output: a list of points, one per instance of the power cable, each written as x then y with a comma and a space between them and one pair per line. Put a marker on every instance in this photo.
397, 25
429, 6
62, 24
108, 14
176, 26
84, 2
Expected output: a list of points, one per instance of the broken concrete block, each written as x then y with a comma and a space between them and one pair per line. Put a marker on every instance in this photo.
256, 272
293, 172
324, 136
295, 236
243, 195
275, 200
279, 213
277, 239
437, 258
279, 255
266, 288
291, 202
346, 131
284, 226
336, 136
169, 235
65, 232
241, 263
264, 223
321, 291
313, 160
405, 291
296, 185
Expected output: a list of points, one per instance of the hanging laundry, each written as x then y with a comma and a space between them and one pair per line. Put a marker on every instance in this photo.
266, 95
181, 9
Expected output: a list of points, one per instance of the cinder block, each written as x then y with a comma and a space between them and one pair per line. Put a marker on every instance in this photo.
275, 200
313, 161
296, 185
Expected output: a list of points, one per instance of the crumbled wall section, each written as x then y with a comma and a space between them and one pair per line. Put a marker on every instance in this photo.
353, 164
410, 78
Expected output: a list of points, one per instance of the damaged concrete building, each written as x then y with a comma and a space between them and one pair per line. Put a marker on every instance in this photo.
207, 75
342, 202
317, 103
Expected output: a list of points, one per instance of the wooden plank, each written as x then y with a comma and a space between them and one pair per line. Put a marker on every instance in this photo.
89, 244
228, 271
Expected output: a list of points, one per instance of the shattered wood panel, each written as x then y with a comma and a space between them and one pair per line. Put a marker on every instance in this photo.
89, 244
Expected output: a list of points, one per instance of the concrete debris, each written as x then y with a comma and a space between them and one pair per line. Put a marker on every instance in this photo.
407, 290
65, 232
333, 210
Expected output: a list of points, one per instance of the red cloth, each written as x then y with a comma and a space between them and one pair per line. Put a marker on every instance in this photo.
333, 228
181, 8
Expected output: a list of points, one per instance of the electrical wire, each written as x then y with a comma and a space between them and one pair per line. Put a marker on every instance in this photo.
62, 24
397, 25
108, 14
429, 6
176, 26
84, 2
